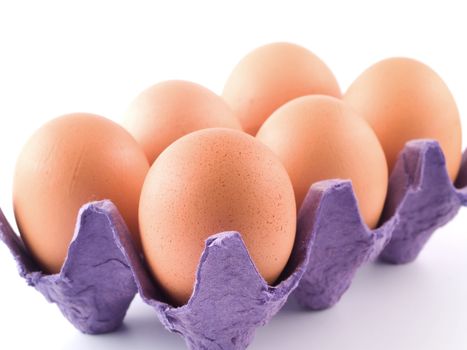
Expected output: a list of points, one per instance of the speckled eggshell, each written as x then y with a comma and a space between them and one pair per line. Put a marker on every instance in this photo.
68, 162
211, 181
270, 76
168, 110
403, 99
320, 138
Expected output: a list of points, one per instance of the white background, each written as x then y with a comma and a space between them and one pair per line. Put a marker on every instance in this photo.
95, 56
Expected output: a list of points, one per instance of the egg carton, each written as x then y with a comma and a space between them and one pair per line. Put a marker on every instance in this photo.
103, 270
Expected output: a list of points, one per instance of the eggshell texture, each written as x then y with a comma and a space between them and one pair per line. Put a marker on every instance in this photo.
166, 111
319, 138
72, 160
270, 76
207, 182
403, 99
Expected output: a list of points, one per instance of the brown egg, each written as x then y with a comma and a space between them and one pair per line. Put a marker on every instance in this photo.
68, 162
270, 76
319, 138
403, 99
166, 111
207, 182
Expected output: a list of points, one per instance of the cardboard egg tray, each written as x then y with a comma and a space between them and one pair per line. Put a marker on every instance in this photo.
103, 271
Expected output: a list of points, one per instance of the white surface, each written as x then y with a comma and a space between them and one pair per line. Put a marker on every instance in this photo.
59, 57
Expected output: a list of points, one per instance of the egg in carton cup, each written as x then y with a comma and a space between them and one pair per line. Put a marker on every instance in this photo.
230, 298
421, 198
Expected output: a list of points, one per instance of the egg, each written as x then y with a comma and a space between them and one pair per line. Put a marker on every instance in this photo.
210, 181
270, 76
69, 161
403, 99
166, 111
319, 138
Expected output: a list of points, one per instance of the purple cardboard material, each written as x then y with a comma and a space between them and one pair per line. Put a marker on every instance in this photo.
341, 242
95, 285
422, 195
421, 198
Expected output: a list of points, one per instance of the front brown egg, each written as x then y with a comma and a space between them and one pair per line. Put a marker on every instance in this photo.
72, 160
207, 182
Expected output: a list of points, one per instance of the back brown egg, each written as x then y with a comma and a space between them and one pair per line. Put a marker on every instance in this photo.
170, 109
272, 75
403, 99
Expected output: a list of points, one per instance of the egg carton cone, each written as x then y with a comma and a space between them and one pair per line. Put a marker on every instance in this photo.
421, 198
95, 285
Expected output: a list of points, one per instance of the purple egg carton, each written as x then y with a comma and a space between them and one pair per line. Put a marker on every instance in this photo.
230, 299
420, 199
